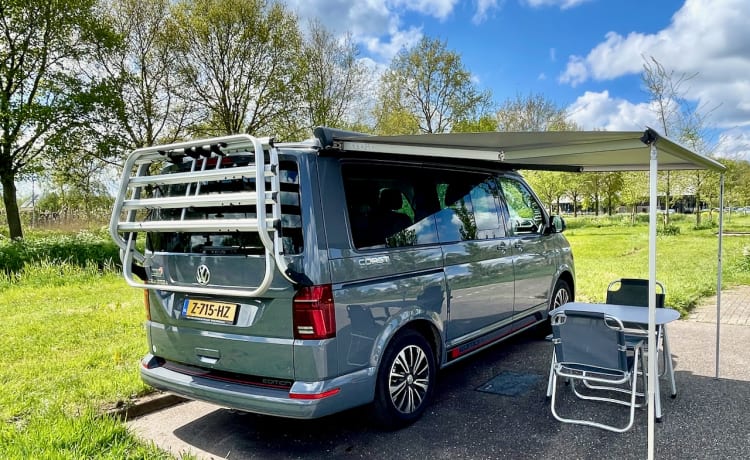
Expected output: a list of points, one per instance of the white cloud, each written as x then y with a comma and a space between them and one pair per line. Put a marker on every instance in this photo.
377, 24
484, 7
706, 37
439, 9
396, 40
734, 144
562, 4
602, 112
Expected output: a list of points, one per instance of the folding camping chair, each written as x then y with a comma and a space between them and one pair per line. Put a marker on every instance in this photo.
634, 291
591, 347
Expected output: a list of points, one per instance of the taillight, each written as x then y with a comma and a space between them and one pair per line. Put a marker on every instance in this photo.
314, 313
147, 304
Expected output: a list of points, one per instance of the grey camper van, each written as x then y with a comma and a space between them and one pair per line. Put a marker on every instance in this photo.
303, 279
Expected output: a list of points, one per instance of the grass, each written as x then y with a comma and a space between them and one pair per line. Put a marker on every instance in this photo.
686, 262
72, 338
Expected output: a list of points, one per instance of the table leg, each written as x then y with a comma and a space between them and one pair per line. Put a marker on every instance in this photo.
668, 365
657, 398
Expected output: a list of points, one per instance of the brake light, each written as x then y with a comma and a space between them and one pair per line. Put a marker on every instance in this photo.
147, 304
314, 313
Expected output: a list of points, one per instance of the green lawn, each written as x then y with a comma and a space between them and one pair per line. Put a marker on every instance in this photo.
686, 263
71, 340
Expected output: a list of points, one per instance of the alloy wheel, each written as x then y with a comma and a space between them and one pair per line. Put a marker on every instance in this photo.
409, 379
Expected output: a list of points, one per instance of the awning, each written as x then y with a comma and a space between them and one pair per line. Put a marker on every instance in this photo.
581, 151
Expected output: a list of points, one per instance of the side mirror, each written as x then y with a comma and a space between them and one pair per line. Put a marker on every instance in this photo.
558, 224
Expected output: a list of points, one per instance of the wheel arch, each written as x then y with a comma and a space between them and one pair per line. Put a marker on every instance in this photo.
425, 326
568, 278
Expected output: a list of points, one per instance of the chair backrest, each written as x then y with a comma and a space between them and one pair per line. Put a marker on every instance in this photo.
589, 339
633, 291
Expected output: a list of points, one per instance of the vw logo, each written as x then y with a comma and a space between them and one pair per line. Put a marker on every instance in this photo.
202, 275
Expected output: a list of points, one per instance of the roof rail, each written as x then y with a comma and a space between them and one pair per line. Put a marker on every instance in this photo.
209, 161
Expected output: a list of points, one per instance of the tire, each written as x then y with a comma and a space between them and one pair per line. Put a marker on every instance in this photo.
406, 380
560, 294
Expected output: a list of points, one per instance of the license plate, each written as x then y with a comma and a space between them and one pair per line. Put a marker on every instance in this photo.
212, 311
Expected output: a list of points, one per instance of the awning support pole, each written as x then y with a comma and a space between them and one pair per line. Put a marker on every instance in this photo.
652, 352
719, 270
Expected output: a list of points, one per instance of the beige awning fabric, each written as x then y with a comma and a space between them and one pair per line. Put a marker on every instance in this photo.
554, 150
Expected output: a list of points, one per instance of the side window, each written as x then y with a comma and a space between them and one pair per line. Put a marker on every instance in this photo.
526, 215
469, 208
388, 206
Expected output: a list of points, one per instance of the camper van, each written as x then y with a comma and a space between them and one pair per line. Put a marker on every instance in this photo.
303, 279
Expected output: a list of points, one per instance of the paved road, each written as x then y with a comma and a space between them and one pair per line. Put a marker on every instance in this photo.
710, 418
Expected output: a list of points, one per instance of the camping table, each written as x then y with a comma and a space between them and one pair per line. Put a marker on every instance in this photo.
639, 315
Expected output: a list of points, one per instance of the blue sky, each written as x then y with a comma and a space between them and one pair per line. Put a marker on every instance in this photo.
585, 55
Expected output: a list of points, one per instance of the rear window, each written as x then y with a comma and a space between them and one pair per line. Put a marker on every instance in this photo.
242, 243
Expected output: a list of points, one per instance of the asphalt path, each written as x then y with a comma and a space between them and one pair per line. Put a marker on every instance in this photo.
492, 405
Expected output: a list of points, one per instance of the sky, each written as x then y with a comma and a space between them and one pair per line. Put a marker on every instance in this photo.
584, 55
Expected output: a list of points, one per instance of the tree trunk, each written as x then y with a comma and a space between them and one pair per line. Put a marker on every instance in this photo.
667, 200
697, 208
11, 205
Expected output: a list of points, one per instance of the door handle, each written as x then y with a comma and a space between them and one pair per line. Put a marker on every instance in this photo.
518, 245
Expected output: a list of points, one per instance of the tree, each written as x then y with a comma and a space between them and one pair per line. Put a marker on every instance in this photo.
478, 124
238, 60
427, 87
593, 183
533, 113
677, 117
44, 89
334, 81
549, 185
634, 191
611, 186
537, 113
147, 108
574, 188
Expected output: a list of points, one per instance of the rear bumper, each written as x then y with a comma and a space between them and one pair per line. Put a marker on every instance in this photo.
312, 399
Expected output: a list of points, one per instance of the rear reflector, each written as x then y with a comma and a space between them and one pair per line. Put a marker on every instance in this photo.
325, 394
314, 313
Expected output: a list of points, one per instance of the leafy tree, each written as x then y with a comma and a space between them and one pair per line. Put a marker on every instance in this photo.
392, 120
334, 81
537, 113
147, 108
481, 123
44, 89
611, 186
592, 184
533, 113
574, 188
634, 191
427, 87
549, 185
238, 60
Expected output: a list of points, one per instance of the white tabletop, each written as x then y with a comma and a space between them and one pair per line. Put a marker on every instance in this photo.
625, 313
